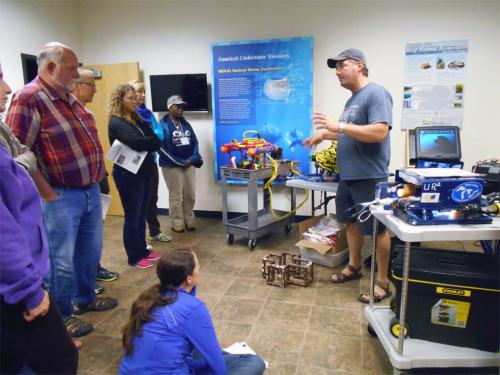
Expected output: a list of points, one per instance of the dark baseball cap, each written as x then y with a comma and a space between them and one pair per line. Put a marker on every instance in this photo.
351, 53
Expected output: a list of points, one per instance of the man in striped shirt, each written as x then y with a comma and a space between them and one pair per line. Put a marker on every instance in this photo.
45, 117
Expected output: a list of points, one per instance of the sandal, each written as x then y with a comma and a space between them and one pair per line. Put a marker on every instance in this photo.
365, 297
100, 304
77, 327
341, 277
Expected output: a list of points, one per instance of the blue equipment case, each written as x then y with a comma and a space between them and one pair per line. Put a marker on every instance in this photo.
446, 196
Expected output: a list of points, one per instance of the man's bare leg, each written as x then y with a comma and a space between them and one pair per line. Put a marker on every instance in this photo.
382, 258
354, 243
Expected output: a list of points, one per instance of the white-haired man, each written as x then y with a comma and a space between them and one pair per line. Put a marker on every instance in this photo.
84, 89
49, 120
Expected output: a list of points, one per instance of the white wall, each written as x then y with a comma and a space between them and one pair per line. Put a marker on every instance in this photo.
25, 26
169, 37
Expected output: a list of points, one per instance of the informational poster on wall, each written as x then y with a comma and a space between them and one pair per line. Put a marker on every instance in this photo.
263, 86
434, 83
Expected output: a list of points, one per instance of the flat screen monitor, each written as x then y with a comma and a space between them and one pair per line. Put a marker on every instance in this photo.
30, 67
192, 87
437, 143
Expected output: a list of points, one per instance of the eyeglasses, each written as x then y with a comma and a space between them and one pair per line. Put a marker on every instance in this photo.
91, 84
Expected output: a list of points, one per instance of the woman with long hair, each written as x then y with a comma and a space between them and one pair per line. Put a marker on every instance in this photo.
170, 331
126, 126
149, 118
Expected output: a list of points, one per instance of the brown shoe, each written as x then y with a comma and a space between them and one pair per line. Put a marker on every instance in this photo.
99, 304
177, 228
340, 277
77, 327
386, 289
190, 227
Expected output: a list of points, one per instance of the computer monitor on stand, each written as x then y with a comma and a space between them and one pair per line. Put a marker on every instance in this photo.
438, 147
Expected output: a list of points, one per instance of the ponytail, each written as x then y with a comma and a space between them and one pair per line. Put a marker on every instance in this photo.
141, 312
172, 270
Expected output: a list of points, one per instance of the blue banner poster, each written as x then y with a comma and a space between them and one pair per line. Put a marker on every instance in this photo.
263, 86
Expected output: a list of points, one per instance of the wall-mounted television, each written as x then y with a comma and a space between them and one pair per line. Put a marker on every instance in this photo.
30, 67
438, 143
192, 87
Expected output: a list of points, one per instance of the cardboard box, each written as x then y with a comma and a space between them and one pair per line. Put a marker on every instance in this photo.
327, 260
320, 248
329, 256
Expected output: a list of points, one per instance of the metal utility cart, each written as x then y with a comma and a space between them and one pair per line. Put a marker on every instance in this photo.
422, 353
256, 223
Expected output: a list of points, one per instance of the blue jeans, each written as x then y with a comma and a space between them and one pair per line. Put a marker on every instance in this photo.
135, 194
244, 364
74, 231
237, 364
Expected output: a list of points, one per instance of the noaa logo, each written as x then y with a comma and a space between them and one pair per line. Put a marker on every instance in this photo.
467, 191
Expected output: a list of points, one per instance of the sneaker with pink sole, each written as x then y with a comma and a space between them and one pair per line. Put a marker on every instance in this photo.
144, 263
153, 255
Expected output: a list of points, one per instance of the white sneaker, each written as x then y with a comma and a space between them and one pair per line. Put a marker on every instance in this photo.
149, 247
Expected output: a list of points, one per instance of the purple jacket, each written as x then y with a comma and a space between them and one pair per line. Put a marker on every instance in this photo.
23, 243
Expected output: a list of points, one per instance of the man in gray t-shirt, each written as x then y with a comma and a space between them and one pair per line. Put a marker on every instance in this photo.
363, 154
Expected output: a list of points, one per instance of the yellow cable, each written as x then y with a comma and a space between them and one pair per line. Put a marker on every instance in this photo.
268, 184
327, 158
249, 131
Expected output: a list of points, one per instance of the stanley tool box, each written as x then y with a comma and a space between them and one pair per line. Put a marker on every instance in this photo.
453, 297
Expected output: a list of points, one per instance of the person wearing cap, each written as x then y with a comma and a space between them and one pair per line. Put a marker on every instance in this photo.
179, 156
363, 155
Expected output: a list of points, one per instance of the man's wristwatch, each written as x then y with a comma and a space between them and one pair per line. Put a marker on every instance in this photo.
341, 127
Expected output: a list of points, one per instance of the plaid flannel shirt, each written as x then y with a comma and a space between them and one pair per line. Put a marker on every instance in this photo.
61, 133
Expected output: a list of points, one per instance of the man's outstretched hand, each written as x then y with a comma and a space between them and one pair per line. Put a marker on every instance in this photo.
323, 121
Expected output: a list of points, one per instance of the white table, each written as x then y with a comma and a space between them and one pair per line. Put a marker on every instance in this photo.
323, 187
421, 353
421, 233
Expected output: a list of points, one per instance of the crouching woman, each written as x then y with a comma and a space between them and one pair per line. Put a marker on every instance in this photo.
170, 331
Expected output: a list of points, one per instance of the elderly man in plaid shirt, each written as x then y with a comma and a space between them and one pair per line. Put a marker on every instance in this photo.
45, 117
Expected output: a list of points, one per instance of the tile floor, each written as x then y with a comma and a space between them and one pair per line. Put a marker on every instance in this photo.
315, 330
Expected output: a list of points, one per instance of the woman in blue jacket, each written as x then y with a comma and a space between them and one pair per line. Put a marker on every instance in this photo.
149, 118
167, 323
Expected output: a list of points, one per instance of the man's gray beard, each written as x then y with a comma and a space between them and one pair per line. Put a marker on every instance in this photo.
67, 88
